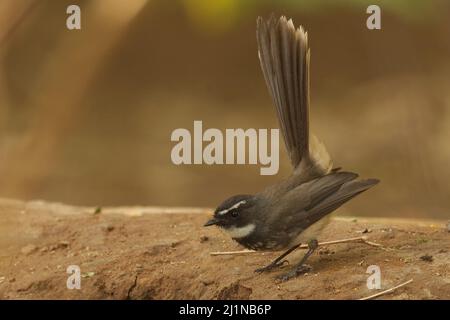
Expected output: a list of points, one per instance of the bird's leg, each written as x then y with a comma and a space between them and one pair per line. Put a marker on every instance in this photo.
276, 263
301, 267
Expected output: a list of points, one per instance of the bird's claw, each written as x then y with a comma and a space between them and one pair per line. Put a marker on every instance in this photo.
272, 266
304, 268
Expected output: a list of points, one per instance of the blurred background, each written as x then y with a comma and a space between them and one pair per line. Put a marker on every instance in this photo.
86, 115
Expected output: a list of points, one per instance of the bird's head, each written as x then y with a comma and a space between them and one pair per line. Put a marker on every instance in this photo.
234, 214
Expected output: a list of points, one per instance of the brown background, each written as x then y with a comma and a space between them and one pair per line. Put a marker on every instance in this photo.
86, 116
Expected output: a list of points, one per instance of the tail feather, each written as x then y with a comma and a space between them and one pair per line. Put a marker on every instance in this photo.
284, 56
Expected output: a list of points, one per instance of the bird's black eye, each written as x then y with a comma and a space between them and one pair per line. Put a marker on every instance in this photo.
234, 213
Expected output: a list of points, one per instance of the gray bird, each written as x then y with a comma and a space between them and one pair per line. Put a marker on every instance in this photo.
293, 211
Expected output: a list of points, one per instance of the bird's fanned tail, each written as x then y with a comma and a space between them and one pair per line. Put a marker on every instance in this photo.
284, 56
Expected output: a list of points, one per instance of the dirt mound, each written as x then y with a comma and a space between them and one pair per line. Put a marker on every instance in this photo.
155, 253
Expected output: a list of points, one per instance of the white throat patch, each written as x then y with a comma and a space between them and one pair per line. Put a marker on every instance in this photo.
235, 206
240, 232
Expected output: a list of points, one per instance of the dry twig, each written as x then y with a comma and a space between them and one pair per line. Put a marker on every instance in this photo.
303, 246
386, 291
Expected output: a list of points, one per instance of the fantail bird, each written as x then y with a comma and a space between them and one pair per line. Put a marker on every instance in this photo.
295, 210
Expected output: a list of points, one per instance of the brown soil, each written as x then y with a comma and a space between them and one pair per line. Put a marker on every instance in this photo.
147, 253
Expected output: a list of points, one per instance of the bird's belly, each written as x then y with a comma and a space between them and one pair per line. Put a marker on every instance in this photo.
262, 245
312, 232
281, 240
266, 241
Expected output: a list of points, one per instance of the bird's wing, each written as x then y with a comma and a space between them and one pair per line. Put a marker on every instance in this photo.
345, 193
284, 56
308, 195
315, 199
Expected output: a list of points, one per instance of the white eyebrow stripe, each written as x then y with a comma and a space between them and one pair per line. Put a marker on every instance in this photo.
235, 206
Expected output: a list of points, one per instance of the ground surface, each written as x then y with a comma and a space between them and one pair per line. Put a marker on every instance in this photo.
146, 253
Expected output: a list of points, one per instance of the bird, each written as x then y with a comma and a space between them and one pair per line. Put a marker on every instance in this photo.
294, 211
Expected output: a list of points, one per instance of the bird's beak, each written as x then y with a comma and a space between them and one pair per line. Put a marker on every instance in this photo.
211, 222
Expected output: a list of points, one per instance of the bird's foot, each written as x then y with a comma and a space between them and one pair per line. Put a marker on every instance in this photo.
302, 269
272, 266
